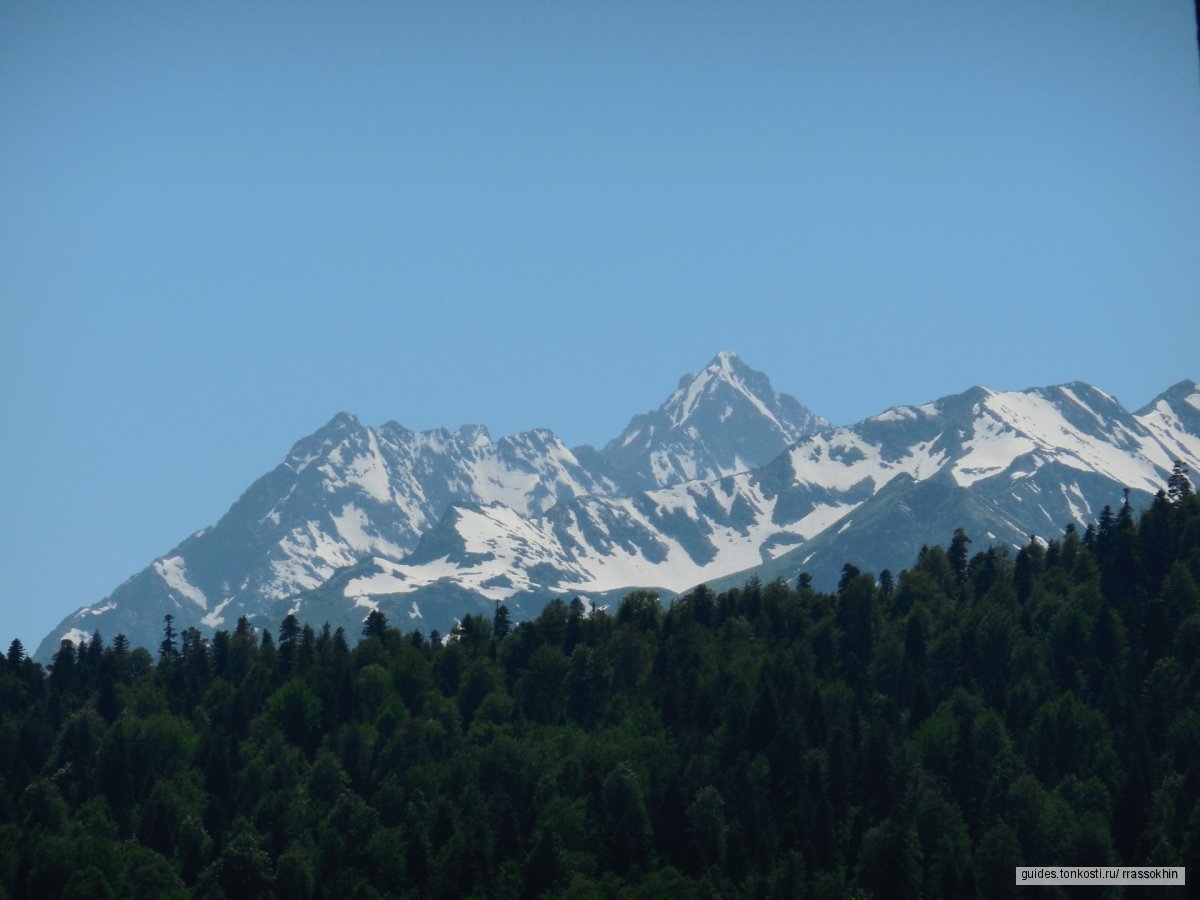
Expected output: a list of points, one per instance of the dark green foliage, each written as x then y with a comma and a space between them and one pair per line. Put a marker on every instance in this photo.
1179, 487
918, 736
167, 649
501, 622
375, 624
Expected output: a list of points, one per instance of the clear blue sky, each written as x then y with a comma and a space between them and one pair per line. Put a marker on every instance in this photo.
221, 223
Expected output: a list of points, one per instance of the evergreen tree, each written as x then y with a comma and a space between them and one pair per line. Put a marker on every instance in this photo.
957, 554
887, 584
849, 573
375, 624
16, 655
501, 624
167, 649
289, 630
1179, 486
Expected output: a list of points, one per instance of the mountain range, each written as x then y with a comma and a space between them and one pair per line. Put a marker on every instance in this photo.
726, 479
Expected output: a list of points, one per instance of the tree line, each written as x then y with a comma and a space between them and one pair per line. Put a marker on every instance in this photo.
915, 735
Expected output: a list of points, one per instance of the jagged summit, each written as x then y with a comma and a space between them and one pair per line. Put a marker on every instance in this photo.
726, 418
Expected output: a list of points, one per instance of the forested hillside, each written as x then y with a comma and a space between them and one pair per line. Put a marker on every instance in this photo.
908, 736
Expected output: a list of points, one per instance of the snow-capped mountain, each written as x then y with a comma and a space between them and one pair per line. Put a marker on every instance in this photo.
350, 491
429, 525
1003, 465
725, 419
344, 492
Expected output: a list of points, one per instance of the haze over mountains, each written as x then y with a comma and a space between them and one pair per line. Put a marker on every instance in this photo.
727, 478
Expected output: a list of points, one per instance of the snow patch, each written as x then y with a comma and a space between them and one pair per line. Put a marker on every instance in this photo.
991, 449
352, 527
174, 572
76, 636
778, 550
841, 459
1071, 494
823, 516
896, 414
214, 618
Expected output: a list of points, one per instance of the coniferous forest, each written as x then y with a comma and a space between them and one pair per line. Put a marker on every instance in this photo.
910, 736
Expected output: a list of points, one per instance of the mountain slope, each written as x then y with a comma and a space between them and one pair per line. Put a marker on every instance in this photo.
1002, 465
345, 492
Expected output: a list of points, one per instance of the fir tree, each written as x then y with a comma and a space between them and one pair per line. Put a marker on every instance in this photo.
375, 624
501, 623
887, 584
1179, 486
167, 649
16, 655
957, 554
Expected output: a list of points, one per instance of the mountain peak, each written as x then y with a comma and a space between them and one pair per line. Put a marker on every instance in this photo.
1181, 392
342, 421
723, 419
474, 435
723, 365
726, 359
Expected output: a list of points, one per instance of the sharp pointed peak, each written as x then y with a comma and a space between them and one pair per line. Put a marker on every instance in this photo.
724, 365
344, 420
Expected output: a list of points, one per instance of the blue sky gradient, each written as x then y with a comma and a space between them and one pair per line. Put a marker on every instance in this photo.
224, 222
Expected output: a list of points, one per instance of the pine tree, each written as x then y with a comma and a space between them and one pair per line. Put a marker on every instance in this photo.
957, 554
1179, 486
849, 573
375, 624
167, 649
289, 629
16, 655
501, 623
887, 584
